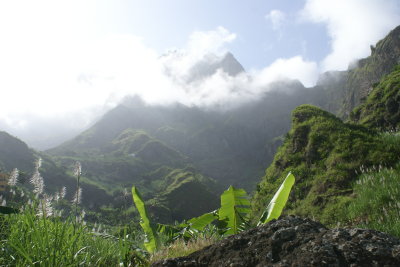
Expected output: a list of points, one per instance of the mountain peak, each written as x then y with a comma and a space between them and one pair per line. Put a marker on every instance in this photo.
230, 65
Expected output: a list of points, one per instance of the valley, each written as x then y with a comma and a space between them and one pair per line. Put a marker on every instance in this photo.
333, 137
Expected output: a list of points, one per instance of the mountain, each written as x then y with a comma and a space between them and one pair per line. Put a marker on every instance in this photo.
324, 153
211, 64
368, 71
134, 157
381, 109
233, 146
142, 144
203, 67
14, 153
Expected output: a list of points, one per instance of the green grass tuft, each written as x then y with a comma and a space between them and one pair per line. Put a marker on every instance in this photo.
377, 202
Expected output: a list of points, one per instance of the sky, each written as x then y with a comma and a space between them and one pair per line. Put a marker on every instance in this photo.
64, 63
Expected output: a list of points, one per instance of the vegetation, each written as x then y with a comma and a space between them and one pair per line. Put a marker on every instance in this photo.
278, 202
377, 200
151, 242
323, 153
347, 172
181, 248
381, 110
369, 71
35, 231
165, 176
30, 240
39, 235
231, 218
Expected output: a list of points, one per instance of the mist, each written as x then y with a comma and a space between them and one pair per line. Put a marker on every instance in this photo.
53, 88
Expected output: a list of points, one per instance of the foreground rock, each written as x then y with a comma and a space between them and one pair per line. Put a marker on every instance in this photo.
292, 241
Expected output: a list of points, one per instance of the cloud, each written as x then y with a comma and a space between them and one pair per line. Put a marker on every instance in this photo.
295, 68
201, 46
277, 18
353, 25
49, 85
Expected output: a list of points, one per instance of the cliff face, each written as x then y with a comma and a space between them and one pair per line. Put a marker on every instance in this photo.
369, 71
381, 109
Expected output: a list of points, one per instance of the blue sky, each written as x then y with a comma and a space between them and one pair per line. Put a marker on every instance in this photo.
167, 24
68, 62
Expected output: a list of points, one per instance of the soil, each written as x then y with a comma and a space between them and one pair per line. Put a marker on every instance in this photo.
293, 241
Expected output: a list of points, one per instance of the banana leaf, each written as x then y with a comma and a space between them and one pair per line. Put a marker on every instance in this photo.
199, 223
151, 240
235, 210
278, 202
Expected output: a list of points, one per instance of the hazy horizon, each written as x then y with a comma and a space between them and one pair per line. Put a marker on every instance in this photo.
66, 63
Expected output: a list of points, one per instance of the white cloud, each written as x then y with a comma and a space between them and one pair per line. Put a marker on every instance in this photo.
200, 45
54, 76
277, 18
353, 25
293, 68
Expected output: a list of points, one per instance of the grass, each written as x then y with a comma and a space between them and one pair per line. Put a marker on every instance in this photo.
31, 240
323, 153
377, 202
180, 248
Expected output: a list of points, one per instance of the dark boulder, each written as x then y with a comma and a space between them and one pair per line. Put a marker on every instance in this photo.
293, 241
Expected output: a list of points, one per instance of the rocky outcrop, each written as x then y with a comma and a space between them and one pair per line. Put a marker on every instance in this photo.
292, 241
369, 71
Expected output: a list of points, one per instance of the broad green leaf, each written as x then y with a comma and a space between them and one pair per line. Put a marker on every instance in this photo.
151, 242
278, 202
168, 230
7, 210
199, 223
235, 208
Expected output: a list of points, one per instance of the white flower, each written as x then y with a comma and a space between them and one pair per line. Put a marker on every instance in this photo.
57, 196
38, 183
78, 196
38, 163
77, 169
45, 209
13, 179
63, 192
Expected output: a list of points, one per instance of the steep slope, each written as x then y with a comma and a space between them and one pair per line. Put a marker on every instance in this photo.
381, 109
208, 67
323, 153
368, 71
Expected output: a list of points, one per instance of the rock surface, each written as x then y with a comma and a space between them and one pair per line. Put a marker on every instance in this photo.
293, 241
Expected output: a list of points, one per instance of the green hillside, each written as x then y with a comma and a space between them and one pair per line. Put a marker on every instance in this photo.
14, 153
162, 173
369, 71
381, 110
327, 155
324, 154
